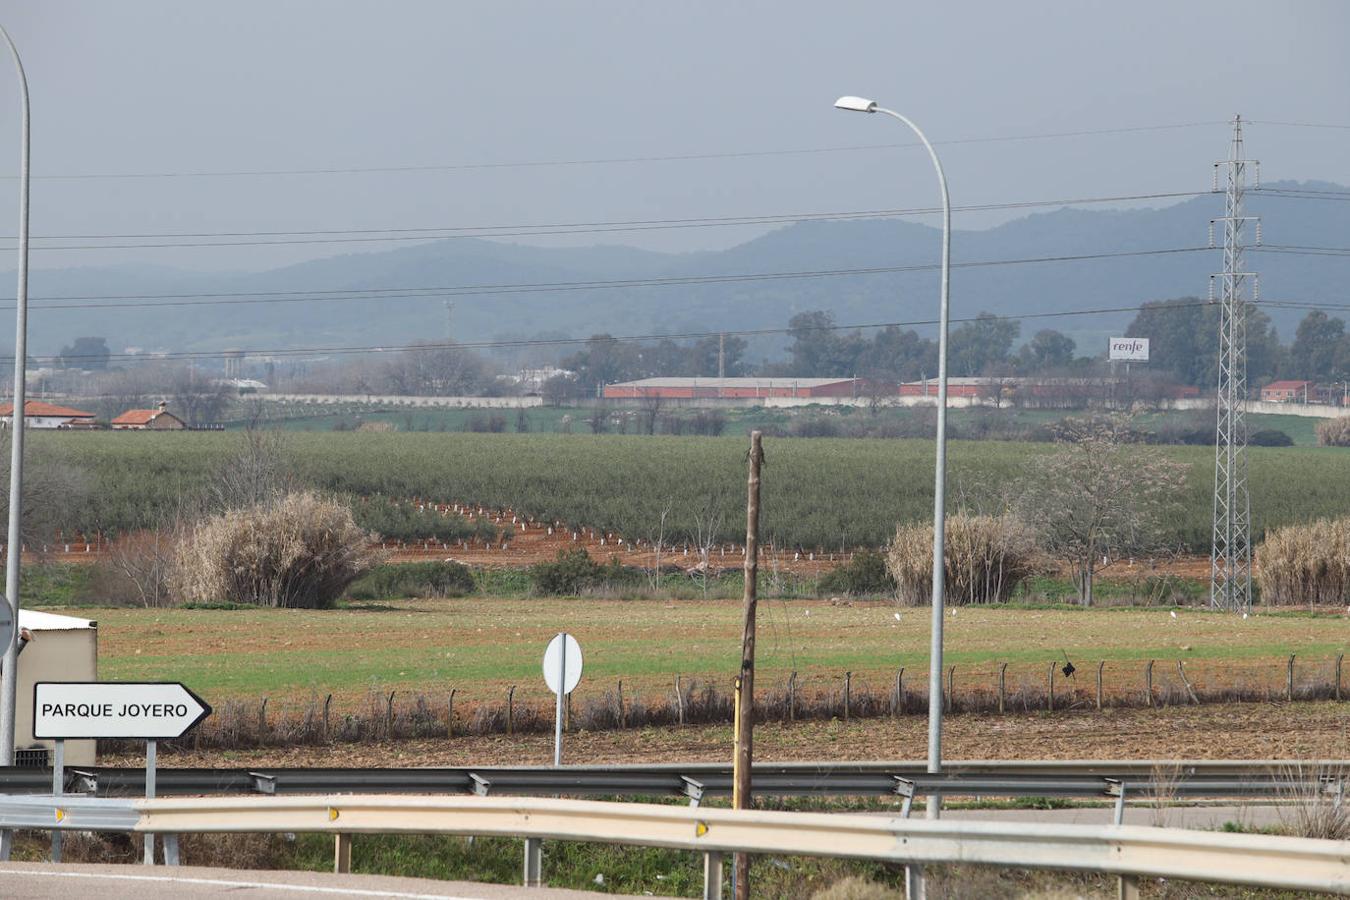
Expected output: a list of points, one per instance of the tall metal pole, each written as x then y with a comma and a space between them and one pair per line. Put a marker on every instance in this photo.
1231, 549
14, 540
939, 480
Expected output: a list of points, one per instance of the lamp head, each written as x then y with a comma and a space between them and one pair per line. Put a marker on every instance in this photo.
856, 104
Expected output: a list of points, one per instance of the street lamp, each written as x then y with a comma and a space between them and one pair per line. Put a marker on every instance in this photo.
14, 541
858, 104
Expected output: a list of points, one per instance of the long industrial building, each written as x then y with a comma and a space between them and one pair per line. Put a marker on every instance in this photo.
742, 388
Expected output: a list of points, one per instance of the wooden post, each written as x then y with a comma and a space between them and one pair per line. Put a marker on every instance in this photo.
951, 692
389, 716
679, 700
326, 703
898, 698
1101, 665
848, 690
1148, 682
623, 718
450, 714
1339, 659
1050, 690
510, 709
1002, 686
262, 719
745, 682
792, 697
1185, 682
1289, 682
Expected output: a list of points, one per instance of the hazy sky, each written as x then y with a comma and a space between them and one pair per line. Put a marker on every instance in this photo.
179, 87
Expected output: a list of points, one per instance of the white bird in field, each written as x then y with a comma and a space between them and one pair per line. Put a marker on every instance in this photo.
808, 612
1244, 615
897, 617
1174, 613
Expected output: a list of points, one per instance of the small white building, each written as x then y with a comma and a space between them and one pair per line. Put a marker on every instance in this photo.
62, 648
37, 414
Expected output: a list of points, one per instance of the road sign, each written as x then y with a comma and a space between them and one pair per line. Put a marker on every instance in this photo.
562, 672
108, 709
562, 663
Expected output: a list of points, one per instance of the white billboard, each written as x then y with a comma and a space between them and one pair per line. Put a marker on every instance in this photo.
1129, 348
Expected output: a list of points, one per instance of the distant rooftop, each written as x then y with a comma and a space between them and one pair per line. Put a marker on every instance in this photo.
730, 382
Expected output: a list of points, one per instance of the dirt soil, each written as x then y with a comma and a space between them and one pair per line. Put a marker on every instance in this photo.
1296, 731
535, 541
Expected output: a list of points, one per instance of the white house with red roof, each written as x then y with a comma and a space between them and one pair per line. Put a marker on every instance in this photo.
37, 414
158, 419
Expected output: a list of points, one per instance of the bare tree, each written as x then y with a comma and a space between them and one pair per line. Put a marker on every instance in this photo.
257, 472
707, 527
651, 411
52, 492
658, 540
1100, 494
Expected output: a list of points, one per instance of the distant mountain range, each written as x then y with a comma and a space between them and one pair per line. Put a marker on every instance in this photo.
509, 305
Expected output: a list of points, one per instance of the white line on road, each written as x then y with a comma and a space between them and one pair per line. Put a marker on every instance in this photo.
220, 882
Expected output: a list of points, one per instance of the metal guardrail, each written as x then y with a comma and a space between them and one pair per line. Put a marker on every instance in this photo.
1127, 851
1191, 780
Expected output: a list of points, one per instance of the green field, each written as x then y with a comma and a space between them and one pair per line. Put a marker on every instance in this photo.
481, 646
818, 493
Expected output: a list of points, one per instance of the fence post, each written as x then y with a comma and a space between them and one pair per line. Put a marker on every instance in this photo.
1148, 683
1101, 665
848, 688
792, 697
450, 715
326, 703
679, 700
898, 698
389, 716
1289, 683
1050, 692
1185, 682
262, 719
623, 719
510, 709
1339, 660
1002, 686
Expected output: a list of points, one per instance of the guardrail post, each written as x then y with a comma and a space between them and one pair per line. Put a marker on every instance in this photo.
1129, 888
58, 788
534, 862
342, 854
712, 876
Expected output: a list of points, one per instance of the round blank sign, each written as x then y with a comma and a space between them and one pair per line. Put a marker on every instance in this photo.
563, 649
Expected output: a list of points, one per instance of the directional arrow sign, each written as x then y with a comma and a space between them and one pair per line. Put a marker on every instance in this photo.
107, 709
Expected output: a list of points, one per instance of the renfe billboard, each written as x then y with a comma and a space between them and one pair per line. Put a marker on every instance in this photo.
1129, 348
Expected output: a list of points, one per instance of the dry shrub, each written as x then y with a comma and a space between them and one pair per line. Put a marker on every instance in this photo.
1305, 563
1334, 432
299, 550
986, 558
138, 570
1314, 803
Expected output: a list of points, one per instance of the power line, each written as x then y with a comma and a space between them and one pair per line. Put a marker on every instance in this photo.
528, 228
441, 292
425, 234
460, 167
1299, 124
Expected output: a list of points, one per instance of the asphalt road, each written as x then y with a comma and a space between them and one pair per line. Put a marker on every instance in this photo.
45, 881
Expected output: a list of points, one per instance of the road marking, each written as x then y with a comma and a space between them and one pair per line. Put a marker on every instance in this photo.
220, 882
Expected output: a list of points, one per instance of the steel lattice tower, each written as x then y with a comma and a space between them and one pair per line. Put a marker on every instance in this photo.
1231, 554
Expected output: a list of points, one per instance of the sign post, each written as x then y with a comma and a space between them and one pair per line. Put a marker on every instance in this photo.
562, 673
148, 711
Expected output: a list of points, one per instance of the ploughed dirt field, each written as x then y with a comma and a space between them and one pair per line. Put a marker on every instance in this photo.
534, 541
1297, 731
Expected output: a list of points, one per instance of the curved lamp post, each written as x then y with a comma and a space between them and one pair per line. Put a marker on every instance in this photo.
14, 541
858, 104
